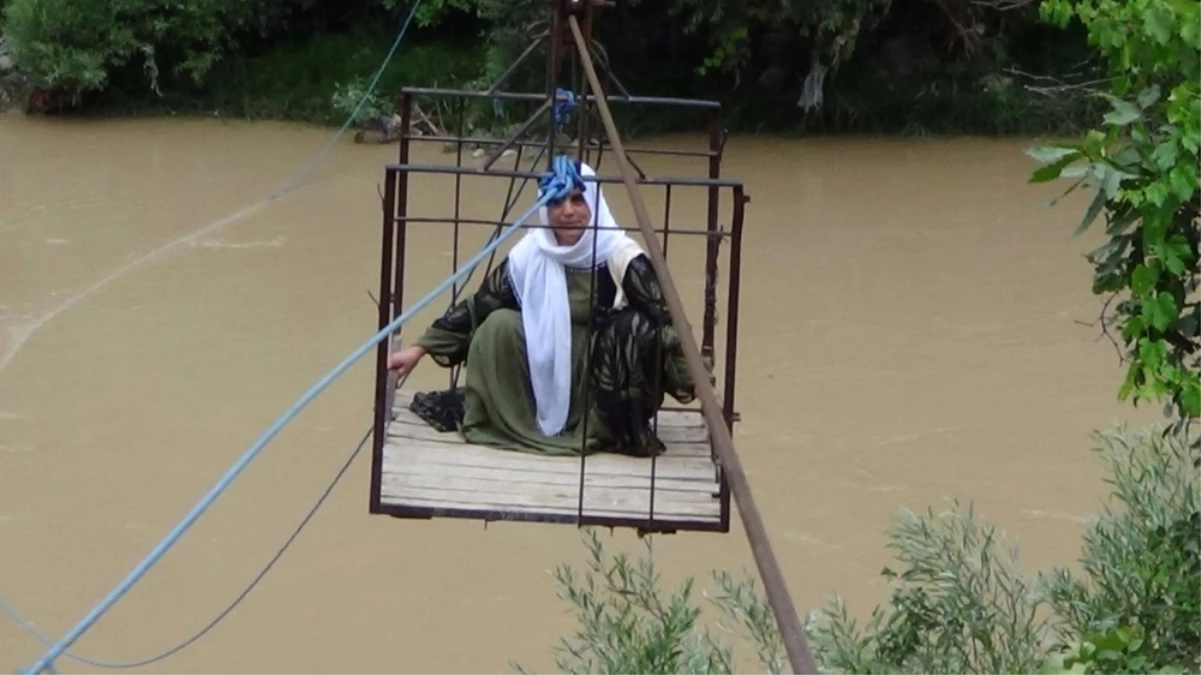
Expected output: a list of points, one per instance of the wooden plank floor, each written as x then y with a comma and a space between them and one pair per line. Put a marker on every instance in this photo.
428, 469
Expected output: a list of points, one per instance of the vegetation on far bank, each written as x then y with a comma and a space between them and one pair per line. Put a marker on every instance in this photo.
931, 66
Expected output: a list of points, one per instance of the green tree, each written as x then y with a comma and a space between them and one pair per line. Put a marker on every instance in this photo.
74, 46
1143, 162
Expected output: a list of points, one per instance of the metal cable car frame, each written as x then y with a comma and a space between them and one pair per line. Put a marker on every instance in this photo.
397, 219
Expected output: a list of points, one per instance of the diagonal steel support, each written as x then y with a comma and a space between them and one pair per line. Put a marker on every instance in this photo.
799, 655
521, 131
599, 53
534, 44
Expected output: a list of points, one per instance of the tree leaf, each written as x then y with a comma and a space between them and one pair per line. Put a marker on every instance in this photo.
1132, 329
1174, 265
1163, 311
1142, 280
1184, 181
1190, 399
1166, 154
1050, 153
1178, 245
1123, 113
1052, 171
1149, 96
1111, 180
1094, 209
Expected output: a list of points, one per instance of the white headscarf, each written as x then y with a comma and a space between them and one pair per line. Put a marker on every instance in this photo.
536, 268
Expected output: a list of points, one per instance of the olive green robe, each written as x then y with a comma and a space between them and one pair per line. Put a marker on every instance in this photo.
619, 377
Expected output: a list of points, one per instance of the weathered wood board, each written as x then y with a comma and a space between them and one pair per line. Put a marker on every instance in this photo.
427, 469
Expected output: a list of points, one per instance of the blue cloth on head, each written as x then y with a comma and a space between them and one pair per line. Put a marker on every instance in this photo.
559, 181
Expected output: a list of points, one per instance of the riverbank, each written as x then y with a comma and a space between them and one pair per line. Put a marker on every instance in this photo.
320, 80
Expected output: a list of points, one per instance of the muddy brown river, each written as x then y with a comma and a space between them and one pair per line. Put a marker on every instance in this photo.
909, 330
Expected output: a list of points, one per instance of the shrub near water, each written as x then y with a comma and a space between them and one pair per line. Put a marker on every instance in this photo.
75, 45
960, 603
930, 66
1138, 602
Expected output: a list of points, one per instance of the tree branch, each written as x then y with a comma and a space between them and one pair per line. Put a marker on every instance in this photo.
1003, 5
1103, 322
1049, 85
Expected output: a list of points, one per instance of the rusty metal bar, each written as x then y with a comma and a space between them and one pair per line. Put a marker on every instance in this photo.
521, 131
641, 174
535, 175
419, 220
582, 130
553, 53
522, 96
589, 368
402, 206
603, 54
667, 218
799, 656
480, 140
513, 66
712, 251
381, 352
642, 525
510, 202
454, 265
735, 290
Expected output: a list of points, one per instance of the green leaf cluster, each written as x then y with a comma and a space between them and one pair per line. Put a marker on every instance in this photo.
74, 46
1142, 159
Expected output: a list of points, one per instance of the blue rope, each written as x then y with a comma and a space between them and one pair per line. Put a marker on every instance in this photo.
283, 188
565, 105
16, 616
290, 182
563, 177
174, 535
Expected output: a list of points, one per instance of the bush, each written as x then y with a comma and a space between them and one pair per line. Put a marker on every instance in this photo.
627, 627
960, 602
962, 606
1142, 562
74, 46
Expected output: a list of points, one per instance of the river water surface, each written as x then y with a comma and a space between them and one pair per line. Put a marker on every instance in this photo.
910, 328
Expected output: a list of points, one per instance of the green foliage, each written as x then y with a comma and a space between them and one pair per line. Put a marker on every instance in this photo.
431, 12
1116, 651
832, 58
831, 26
1138, 606
75, 45
1143, 161
960, 603
962, 606
625, 626
319, 80
754, 56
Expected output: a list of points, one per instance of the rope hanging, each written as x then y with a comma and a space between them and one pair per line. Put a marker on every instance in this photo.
565, 105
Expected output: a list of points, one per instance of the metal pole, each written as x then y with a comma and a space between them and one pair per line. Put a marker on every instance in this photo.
785, 613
